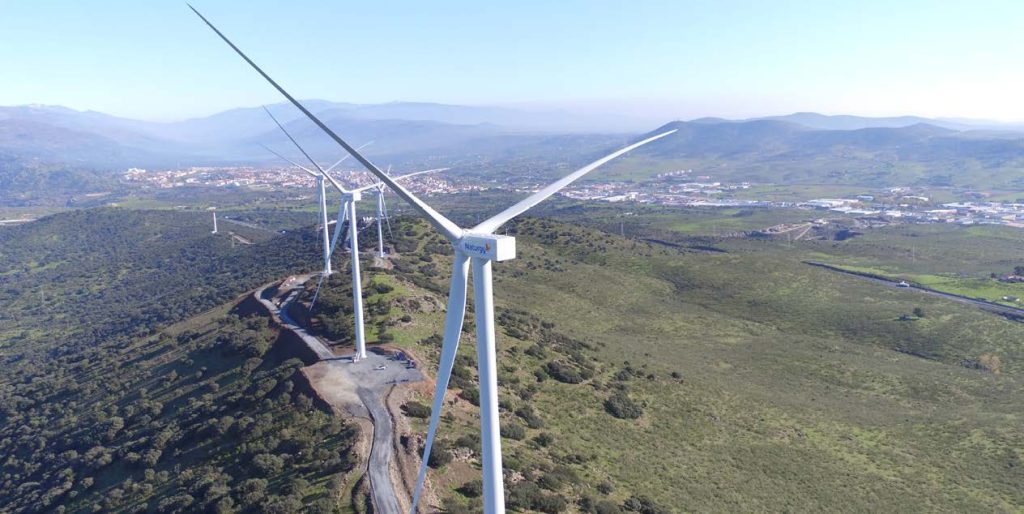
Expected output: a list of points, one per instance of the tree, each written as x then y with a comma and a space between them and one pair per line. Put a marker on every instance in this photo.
513, 430
416, 410
620, 405
471, 489
268, 464
439, 454
918, 312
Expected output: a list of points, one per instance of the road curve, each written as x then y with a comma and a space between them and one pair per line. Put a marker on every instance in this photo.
381, 453
374, 382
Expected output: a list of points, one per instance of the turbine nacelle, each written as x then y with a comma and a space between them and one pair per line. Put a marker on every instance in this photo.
491, 247
352, 196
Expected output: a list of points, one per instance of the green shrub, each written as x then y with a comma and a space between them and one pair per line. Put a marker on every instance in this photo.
513, 430
471, 489
471, 395
544, 439
439, 454
563, 372
620, 405
416, 410
530, 416
643, 505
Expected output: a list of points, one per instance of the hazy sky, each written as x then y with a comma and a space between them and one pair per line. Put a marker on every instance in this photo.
156, 60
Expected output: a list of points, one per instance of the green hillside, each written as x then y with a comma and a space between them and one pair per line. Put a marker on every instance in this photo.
756, 382
697, 374
109, 402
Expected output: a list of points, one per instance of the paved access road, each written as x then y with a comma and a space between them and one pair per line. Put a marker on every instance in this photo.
370, 379
1006, 311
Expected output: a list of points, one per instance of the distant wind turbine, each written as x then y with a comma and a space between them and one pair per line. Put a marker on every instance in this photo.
382, 209
347, 210
321, 189
478, 246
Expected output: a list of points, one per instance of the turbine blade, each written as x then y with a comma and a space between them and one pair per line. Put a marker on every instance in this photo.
317, 293
387, 218
452, 330
292, 139
443, 224
342, 216
343, 159
293, 163
381, 184
413, 174
303, 150
366, 188
491, 224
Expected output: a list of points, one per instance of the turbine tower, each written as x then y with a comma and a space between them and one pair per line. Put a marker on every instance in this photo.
382, 209
214, 221
321, 190
379, 194
478, 247
347, 209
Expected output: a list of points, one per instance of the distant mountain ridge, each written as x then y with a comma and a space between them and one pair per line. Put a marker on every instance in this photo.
784, 152
849, 122
398, 129
767, 149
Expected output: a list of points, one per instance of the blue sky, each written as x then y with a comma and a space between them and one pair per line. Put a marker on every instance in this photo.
678, 59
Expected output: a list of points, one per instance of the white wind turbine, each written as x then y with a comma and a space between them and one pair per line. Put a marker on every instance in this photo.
377, 190
347, 210
478, 246
328, 248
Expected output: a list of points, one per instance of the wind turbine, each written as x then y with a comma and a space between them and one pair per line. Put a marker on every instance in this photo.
480, 247
347, 209
323, 174
214, 221
377, 190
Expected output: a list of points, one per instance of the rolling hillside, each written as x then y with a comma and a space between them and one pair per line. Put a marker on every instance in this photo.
736, 379
639, 377
129, 384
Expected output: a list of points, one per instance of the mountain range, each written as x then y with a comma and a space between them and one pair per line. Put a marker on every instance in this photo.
784, 152
800, 147
401, 129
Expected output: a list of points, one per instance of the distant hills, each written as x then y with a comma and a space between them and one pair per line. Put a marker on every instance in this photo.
847, 122
400, 129
799, 147
778, 150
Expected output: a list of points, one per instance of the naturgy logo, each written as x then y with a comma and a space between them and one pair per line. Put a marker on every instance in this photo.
475, 248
